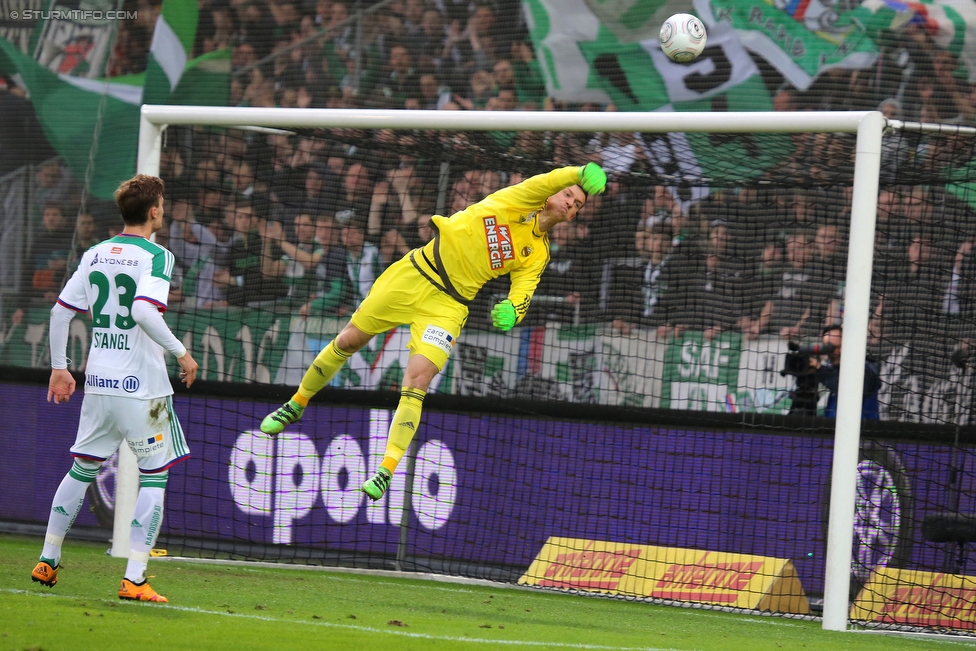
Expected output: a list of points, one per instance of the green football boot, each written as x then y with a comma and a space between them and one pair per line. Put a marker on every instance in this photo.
376, 486
286, 414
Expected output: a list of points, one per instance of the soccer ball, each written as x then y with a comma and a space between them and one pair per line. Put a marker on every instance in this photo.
682, 37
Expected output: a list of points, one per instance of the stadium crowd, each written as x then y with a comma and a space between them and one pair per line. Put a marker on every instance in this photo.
305, 222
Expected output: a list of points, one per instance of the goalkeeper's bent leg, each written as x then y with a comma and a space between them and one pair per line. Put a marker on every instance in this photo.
327, 363
406, 420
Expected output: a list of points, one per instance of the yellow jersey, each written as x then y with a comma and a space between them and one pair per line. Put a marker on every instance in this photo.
496, 236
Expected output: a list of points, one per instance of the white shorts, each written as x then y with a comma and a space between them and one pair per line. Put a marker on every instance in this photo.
150, 427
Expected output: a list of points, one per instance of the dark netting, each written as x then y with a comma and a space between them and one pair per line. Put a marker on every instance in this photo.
676, 292
915, 503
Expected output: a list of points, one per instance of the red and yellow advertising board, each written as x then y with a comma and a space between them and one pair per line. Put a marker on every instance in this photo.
917, 598
707, 577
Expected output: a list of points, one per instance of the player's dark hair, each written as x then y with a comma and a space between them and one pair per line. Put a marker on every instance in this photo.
136, 196
831, 328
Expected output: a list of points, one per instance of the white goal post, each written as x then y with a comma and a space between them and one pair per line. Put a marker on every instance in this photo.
868, 125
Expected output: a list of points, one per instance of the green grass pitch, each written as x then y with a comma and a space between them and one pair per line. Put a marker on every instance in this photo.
240, 608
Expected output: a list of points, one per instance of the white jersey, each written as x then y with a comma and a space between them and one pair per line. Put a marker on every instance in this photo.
123, 360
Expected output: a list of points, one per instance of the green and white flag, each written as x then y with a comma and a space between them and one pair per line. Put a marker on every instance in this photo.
95, 122
950, 23
586, 60
800, 38
171, 49
68, 109
639, 77
803, 38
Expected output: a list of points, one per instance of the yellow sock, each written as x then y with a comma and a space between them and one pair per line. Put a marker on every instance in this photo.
323, 369
406, 419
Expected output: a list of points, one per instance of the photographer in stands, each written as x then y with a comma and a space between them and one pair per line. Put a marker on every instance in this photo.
827, 367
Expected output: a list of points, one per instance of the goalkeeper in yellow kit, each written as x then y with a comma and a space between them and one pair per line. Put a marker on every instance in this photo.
431, 287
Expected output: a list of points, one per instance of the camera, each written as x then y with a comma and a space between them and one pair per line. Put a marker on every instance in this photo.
797, 361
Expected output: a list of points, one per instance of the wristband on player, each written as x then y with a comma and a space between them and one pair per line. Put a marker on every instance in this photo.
503, 315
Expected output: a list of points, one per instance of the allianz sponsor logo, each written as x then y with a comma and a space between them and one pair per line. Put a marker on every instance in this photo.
96, 381
121, 262
286, 479
129, 384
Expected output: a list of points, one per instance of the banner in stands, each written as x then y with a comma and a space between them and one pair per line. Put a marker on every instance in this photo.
643, 485
74, 37
584, 364
19, 32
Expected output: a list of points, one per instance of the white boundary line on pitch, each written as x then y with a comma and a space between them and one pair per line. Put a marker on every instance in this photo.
353, 627
392, 574
938, 637
755, 617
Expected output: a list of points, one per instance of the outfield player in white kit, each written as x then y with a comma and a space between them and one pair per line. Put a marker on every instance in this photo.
123, 284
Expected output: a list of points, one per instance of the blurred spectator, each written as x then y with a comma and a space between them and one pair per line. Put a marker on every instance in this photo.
131, 50
480, 89
393, 246
50, 248
913, 294
424, 233
528, 75
86, 233
471, 47
829, 260
330, 270
392, 208
362, 263
52, 185
567, 290
618, 211
715, 301
620, 151
355, 197
195, 248
799, 304
637, 295
413, 17
432, 94
22, 140
321, 189
401, 80
245, 275
762, 281
686, 263
428, 45
296, 266
174, 299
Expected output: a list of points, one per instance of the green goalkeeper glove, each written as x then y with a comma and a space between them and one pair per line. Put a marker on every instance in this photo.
503, 315
593, 179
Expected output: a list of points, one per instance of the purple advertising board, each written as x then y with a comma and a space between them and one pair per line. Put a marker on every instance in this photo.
487, 489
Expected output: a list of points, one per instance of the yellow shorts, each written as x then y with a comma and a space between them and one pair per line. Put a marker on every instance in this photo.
401, 296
